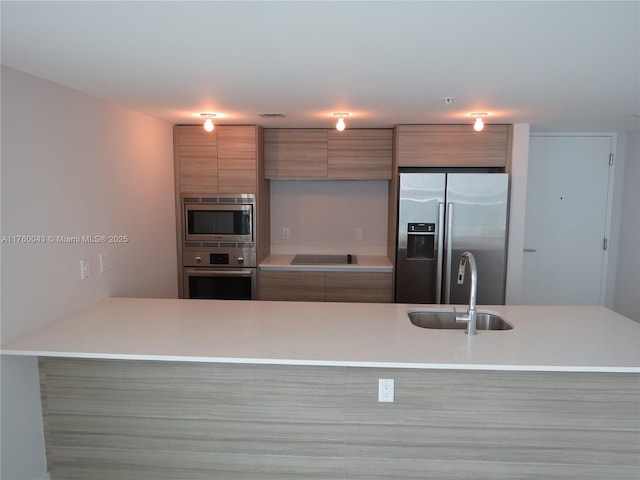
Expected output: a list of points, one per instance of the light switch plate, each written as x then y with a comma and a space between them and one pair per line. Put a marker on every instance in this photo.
103, 262
84, 269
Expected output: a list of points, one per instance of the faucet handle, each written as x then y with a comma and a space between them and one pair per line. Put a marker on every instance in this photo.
461, 317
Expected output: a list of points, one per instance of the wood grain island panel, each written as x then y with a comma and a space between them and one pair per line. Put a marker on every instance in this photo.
108, 419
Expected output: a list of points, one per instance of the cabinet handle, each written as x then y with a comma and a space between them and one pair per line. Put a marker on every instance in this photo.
440, 243
449, 252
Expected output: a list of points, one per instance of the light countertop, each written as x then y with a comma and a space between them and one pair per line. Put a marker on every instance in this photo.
366, 263
592, 339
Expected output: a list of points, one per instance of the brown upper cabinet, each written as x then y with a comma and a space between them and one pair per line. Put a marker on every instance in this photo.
196, 159
222, 161
360, 154
452, 146
237, 159
355, 154
295, 153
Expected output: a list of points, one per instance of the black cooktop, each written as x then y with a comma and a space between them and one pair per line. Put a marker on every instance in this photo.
307, 259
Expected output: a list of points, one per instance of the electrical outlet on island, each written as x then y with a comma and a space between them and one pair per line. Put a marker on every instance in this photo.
385, 390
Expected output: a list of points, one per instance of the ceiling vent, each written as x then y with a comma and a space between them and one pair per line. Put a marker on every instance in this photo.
272, 115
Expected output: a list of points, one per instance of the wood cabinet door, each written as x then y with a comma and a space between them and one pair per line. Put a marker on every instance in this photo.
360, 154
292, 286
295, 153
195, 135
452, 146
372, 287
196, 160
237, 158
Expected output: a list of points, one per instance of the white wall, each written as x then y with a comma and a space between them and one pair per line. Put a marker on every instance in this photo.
517, 209
322, 216
627, 281
73, 165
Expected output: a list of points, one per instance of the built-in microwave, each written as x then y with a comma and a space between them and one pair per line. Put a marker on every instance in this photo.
218, 218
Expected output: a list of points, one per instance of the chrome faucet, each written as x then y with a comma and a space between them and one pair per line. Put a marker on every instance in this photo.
470, 316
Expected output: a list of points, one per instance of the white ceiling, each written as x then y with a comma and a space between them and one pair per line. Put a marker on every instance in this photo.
560, 66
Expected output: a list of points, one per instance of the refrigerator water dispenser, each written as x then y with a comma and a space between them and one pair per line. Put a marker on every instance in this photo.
421, 240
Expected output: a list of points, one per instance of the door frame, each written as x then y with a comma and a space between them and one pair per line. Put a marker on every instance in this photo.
607, 256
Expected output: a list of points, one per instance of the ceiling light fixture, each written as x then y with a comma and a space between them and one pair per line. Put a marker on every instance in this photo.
340, 125
478, 125
208, 123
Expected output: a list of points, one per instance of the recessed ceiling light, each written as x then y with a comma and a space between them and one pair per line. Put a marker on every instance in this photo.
448, 100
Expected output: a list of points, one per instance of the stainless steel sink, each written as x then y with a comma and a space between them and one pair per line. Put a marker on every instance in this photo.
447, 320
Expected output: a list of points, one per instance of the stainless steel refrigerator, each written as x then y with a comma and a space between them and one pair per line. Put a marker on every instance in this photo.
440, 216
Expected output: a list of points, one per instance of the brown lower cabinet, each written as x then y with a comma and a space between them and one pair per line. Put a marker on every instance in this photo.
292, 286
310, 286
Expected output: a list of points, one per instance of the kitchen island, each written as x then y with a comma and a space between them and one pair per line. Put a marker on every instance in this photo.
193, 389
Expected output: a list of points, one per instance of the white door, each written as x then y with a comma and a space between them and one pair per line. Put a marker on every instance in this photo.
566, 220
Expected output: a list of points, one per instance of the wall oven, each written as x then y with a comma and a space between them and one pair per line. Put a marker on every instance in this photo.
219, 251
220, 283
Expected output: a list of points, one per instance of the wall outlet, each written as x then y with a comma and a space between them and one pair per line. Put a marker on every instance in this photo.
285, 233
359, 233
385, 390
84, 269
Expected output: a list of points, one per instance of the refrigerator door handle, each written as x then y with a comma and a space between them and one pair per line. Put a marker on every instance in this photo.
448, 252
440, 247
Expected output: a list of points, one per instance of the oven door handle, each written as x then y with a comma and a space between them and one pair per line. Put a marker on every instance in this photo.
220, 272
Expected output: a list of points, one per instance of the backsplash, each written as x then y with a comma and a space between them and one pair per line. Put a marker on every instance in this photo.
329, 216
